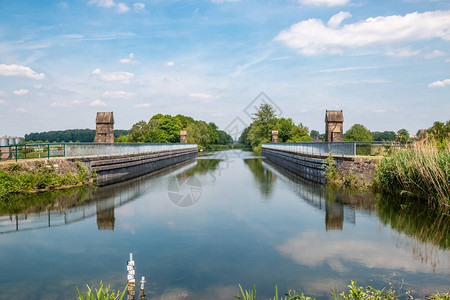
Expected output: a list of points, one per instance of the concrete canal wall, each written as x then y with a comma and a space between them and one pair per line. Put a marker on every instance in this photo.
311, 166
115, 168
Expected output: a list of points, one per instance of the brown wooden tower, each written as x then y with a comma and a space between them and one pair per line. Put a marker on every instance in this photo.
334, 126
105, 128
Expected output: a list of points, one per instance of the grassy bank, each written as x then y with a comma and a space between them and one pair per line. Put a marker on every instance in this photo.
42, 175
421, 172
354, 292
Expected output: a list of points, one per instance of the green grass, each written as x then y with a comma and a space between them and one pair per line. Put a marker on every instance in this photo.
102, 293
17, 178
422, 172
354, 292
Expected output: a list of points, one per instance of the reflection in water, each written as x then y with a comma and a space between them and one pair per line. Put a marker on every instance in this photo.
105, 214
430, 228
305, 236
338, 206
263, 177
51, 209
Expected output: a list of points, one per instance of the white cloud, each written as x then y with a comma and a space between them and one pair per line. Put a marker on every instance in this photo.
439, 83
118, 94
123, 77
139, 6
21, 109
324, 2
308, 249
20, 71
170, 64
98, 103
122, 7
65, 104
142, 105
380, 111
103, 3
312, 37
434, 54
37, 86
129, 60
21, 92
2, 102
337, 19
402, 52
202, 97
3, 94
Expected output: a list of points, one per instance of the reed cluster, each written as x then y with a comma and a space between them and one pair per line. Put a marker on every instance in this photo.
421, 171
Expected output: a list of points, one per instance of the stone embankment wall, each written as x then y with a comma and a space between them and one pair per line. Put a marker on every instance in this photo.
362, 167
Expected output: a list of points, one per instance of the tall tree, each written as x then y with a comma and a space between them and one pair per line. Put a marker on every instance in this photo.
358, 133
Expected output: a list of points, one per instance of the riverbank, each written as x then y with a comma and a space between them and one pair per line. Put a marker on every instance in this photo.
30, 176
422, 172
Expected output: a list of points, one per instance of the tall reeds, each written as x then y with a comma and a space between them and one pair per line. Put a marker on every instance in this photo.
420, 171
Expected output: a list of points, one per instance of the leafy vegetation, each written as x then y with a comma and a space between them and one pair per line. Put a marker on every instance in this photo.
354, 292
102, 293
166, 129
422, 172
264, 121
17, 178
74, 135
358, 133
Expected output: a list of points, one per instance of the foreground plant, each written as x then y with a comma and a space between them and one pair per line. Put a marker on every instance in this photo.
422, 172
102, 293
355, 292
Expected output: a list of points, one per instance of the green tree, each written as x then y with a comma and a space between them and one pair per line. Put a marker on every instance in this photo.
403, 136
264, 121
138, 131
358, 133
383, 136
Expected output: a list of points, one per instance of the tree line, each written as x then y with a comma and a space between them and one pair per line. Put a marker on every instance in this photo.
166, 129
265, 120
70, 135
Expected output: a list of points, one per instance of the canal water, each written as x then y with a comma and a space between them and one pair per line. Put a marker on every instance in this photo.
199, 229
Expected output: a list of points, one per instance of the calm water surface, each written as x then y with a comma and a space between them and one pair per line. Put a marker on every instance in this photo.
227, 218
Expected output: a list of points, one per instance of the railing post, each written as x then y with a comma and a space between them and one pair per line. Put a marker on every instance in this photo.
25, 151
354, 149
48, 151
16, 152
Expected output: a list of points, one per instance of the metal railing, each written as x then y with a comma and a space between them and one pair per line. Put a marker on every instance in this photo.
33, 151
102, 149
336, 148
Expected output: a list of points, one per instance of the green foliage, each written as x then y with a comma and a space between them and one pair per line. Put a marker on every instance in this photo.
83, 172
358, 133
355, 292
316, 135
330, 171
403, 136
16, 178
166, 129
264, 121
79, 135
420, 172
102, 293
383, 136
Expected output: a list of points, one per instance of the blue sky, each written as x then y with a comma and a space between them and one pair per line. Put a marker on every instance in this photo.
385, 63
